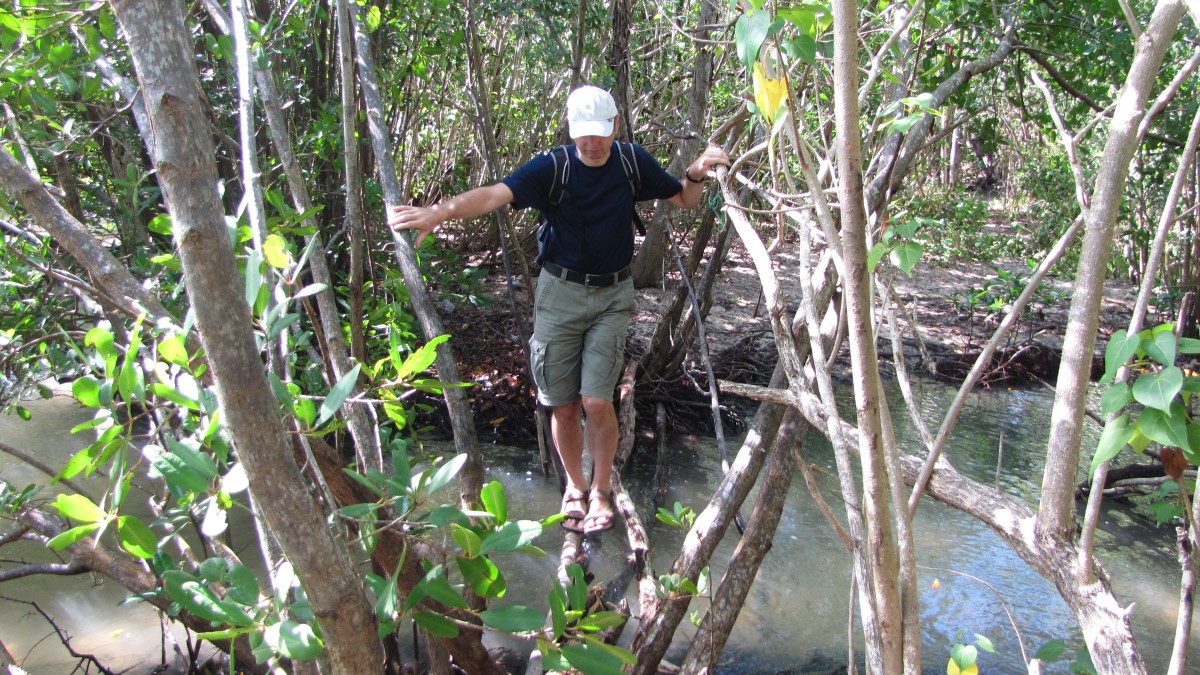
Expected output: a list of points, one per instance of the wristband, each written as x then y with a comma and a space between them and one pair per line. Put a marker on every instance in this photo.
687, 173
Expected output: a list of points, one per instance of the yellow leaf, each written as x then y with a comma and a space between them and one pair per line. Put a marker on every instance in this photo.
953, 669
768, 93
276, 253
936, 583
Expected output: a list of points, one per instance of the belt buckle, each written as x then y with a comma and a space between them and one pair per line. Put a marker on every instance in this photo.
587, 279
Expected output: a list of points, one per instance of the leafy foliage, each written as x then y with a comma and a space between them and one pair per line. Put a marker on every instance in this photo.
1155, 406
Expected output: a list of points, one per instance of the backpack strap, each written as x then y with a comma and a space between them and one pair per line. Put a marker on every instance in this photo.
633, 174
562, 173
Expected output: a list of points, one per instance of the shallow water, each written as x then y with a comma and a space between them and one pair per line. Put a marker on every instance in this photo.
796, 613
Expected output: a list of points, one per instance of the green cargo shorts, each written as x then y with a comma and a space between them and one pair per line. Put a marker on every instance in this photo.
578, 342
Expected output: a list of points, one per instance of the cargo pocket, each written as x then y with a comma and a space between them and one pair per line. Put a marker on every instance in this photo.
618, 359
537, 365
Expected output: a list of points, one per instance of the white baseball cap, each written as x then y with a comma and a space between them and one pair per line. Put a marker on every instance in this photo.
590, 112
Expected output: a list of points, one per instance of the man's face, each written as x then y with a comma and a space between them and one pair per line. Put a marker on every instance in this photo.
594, 150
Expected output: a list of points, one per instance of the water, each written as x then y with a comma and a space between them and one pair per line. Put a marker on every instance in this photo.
797, 611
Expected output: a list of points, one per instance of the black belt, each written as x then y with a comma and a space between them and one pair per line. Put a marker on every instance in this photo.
596, 280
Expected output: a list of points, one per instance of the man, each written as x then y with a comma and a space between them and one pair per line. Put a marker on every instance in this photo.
584, 296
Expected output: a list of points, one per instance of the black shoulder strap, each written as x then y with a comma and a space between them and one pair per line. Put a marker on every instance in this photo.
634, 175
562, 173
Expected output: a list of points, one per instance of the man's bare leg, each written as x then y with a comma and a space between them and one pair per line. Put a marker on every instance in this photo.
602, 443
566, 426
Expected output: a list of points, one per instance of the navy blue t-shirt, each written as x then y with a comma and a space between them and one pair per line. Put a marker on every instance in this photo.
591, 229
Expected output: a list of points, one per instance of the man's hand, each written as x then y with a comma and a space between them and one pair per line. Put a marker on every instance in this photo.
712, 156
420, 218
470, 204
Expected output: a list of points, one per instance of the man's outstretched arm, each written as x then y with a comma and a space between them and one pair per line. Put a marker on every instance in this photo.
470, 204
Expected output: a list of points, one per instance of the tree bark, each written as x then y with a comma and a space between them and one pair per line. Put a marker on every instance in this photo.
1056, 515
880, 544
184, 158
350, 150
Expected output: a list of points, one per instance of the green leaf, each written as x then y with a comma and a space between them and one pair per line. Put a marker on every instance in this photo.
340, 391
173, 350
446, 472
168, 261
176, 471
592, 659
374, 17
482, 576
228, 634
467, 540
278, 325
420, 360
79, 508
495, 500
1115, 398
87, 391
364, 481
1158, 390
71, 536
160, 224
984, 643
601, 620
511, 537
296, 641
577, 591
902, 125
1189, 346
1121, 347
198, 599
254, 279
435, 586
749, 33
558, 610
242, 585
59, 54
1115, 436
136, 537
1051, 651
906, 256
131, 382
311, 289
1192, 453
1161, 345
964, 655
879, 250
1169, 428
174, 396
514, 618
447, 514
435, 624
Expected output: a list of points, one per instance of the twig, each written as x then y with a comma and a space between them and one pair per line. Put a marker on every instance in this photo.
63, 637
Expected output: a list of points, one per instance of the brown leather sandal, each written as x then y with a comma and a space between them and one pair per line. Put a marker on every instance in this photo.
574, 507
601, 513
